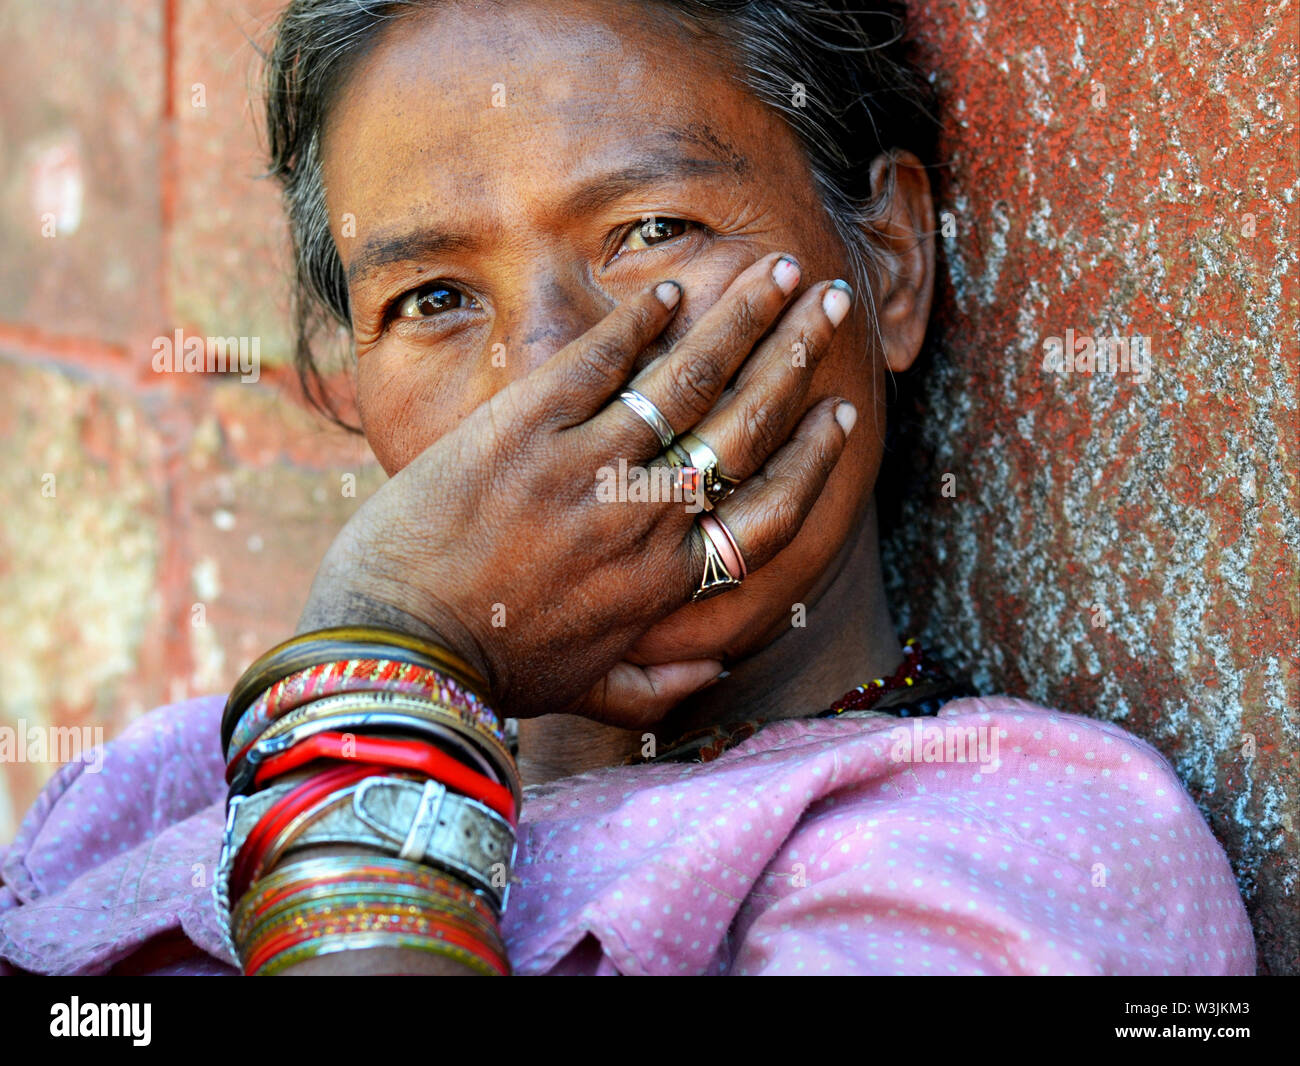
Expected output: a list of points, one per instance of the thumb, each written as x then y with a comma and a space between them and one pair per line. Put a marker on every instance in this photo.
632, 696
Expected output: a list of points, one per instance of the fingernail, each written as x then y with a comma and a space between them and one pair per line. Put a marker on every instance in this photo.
847, 416
668, 293
837, 301
721, 677
785, 272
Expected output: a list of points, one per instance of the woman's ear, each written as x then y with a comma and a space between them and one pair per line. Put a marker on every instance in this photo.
906, 237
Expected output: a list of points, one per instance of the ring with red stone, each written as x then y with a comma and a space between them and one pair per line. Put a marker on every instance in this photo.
694, 452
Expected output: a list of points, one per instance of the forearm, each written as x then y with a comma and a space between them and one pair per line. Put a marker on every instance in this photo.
369, 772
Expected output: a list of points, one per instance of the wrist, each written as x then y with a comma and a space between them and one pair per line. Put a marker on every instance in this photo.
294, 923
346, 606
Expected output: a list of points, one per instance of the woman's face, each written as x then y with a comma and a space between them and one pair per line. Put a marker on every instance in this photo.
509, 153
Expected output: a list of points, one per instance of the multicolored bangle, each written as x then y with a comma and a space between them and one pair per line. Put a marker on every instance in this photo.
380, 708
339, 644
366, 917
348, 872
388, 709
358, 709
378, 674
320, 946
352, 897
309, 906
247, 858
419, 821
381, 752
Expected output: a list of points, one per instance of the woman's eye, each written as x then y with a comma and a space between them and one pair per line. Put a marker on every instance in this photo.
431, 300
654, 231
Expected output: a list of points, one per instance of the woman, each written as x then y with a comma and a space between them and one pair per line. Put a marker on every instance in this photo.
677, 246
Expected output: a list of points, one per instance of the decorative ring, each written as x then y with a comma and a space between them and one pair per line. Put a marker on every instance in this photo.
694, 452
650, 414
717, 578
716, 530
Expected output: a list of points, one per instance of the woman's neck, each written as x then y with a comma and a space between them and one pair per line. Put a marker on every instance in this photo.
848, 637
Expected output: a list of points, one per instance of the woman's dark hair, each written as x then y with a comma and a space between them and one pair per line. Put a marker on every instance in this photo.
839, 74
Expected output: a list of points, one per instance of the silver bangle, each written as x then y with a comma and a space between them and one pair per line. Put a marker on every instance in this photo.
421, 823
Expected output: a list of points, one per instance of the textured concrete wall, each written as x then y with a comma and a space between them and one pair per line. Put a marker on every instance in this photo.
1118, 548
1124, 544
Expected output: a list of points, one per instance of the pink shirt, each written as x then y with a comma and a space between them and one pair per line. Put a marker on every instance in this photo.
1061, 845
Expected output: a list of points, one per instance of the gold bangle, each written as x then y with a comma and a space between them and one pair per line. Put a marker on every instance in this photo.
356, 870
287, 913
335, 943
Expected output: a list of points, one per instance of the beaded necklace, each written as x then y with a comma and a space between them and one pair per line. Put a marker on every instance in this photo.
919, 672
918, 688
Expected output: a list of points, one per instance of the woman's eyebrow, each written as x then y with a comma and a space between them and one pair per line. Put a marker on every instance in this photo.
657, 166
403, 248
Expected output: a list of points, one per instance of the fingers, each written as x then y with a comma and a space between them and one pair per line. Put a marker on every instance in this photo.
757, 415
636, 697
686, 383
579, 379
766, 512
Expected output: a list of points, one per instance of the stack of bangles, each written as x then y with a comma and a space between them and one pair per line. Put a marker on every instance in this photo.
382, 742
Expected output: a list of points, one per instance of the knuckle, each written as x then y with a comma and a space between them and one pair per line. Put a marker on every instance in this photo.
747, 320
829, 449
641, 318
815, 339
784, 513
694, 381
510, 420
602, 356
761, 427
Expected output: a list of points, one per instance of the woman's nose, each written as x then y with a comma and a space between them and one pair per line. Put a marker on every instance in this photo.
541, 314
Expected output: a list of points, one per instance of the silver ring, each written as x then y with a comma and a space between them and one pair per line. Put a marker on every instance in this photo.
650, 414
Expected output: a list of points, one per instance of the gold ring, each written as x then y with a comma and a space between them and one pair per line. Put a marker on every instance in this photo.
694, 452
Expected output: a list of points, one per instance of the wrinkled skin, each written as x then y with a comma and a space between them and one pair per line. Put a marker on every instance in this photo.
483, 232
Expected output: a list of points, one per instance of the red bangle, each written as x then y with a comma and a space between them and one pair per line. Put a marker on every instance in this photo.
282, 812
398, 754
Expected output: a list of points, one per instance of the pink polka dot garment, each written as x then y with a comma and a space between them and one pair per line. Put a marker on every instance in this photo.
1062, 845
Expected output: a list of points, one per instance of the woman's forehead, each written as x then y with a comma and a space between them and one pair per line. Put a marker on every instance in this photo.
454, 68
598, 180
450, 105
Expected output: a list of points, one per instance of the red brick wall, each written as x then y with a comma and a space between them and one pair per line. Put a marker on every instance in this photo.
1116, 547
187, 512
